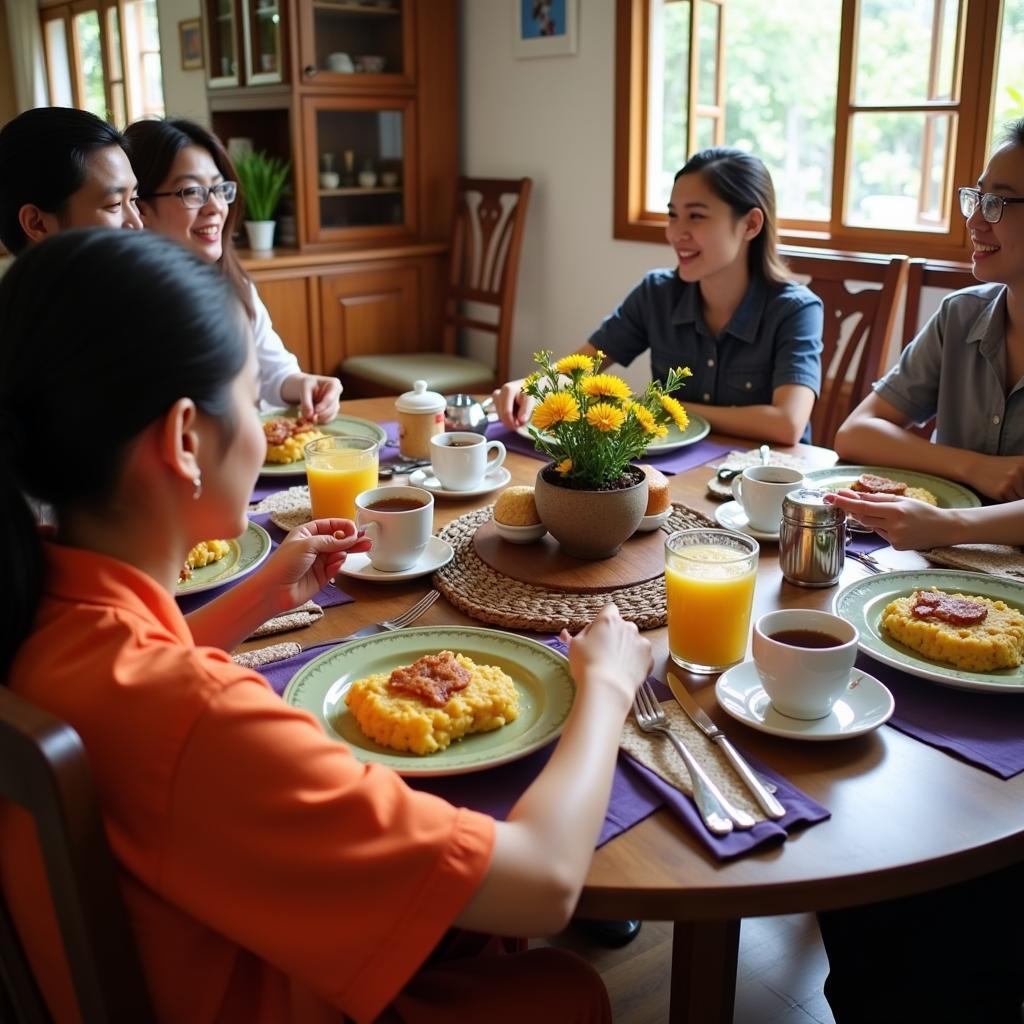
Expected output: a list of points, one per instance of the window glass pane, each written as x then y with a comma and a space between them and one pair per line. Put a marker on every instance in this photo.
59, 66
1009, 96
87, 33
905, 51
898, 176
705, 133
780, 96
120, 108
114, 46
707, 53
144, 73
668, 95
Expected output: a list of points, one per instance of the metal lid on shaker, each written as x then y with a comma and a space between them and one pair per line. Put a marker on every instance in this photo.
420, 399
806, 507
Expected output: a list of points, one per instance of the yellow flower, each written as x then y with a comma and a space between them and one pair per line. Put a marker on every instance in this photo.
675, 410
530, 381
660, 431
557, 407
645, 418
684, 371
574, 362
605, 385
565, 466
605, 417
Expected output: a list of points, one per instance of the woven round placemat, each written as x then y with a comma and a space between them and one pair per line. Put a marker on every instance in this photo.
475, 588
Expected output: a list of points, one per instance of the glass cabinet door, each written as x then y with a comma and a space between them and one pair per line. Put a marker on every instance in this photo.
359, 172
264, 53
356, 37
222, 29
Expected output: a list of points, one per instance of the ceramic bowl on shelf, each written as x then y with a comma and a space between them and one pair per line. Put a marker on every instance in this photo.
341, 63
520, 534
371, 63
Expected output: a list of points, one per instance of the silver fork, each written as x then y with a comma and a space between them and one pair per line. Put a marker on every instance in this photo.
405, 618
868, 561
718, 813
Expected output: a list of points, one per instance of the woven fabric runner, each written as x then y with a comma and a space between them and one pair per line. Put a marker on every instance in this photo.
996, 559
480, 591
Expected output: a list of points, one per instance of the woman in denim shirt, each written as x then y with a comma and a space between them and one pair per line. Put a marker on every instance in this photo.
727, 309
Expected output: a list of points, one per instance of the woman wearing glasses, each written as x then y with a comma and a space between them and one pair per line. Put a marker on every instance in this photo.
186, 192
966, 367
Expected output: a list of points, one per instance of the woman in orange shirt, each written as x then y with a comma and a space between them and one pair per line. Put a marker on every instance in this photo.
269, 876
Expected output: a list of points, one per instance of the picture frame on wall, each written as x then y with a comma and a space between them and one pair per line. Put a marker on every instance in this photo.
544, 28
190, 33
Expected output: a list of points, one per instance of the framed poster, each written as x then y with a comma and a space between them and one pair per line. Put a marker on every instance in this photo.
191, 35
544, 28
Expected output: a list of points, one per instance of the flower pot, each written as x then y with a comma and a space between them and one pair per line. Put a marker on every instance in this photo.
590, 524
261, 234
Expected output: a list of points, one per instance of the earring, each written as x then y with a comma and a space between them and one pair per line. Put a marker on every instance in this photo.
197, 481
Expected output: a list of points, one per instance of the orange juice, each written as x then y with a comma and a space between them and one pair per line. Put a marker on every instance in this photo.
710, 590
337, 469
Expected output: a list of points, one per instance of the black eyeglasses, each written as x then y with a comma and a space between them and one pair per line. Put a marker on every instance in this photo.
195, 196
991, 205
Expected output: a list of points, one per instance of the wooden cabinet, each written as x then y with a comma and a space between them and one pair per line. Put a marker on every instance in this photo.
244, 42
291, 301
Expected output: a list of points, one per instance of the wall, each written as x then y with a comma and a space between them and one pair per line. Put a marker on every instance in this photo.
552, 118
184, 91
8, 104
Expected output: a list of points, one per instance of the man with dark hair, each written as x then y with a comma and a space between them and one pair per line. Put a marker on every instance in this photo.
62, 168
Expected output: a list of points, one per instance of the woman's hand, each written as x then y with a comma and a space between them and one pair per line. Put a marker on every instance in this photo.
310, 556
903, 522
512, 406
610, 651
317, 397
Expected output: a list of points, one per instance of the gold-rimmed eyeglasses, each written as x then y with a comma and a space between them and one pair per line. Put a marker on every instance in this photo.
992, 205
195, 196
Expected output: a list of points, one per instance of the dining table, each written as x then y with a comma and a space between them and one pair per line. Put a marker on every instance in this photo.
905, 816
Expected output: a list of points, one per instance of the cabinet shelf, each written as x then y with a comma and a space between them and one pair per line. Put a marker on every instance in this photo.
357, 9
356, 190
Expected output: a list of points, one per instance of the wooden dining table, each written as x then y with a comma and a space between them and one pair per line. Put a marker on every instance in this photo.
905, 817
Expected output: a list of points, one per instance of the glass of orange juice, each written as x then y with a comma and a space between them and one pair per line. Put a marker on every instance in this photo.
339, 467
709, 578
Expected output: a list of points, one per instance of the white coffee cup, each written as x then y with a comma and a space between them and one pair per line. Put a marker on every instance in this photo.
760, 490
340, 62
398, 520
461, 460
802, 680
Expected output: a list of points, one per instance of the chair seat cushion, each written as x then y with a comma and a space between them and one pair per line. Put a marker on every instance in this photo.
396, 373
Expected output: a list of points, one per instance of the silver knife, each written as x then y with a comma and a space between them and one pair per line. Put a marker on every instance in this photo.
771, 807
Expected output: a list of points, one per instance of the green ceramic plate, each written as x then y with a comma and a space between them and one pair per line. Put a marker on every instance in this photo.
339, 425
949, 494
862, 604
696, 429
247, 552
546, 692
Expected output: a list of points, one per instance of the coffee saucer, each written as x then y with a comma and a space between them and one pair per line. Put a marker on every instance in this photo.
491, 482
865, 705
732, 517
438, 552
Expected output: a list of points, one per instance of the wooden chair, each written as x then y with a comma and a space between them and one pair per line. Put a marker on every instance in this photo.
922, 274
43, 767
857, 326
486, 239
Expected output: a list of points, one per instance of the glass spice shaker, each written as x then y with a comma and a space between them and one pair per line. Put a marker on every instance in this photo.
420, 417
812, 539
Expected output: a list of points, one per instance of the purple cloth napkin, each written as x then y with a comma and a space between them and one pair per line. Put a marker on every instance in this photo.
669, 463
984, 729
866, 543
327, 597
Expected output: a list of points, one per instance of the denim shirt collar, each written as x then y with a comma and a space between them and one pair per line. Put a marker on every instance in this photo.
743, 324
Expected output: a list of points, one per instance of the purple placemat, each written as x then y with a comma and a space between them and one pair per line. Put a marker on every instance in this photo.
670, 463
984, 729
636, 791
328, 597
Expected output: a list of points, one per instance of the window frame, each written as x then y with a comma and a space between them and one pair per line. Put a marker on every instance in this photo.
977, 56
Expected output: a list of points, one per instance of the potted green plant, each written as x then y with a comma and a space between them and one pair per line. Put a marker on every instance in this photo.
591, 426
262, 179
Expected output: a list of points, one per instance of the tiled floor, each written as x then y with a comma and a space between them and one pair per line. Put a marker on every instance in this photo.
781, 970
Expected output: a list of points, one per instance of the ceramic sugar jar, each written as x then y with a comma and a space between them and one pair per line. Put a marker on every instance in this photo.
420, 417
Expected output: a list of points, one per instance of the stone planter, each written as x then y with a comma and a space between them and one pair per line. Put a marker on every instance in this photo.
261, 234
590, 524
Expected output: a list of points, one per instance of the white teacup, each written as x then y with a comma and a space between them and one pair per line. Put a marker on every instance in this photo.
340, 62
461, 459
804, 658
760, 490
398, 520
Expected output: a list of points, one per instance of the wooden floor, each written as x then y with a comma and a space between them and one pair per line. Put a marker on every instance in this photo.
781, 970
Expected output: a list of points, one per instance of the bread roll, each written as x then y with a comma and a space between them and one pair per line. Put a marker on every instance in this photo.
515, 507
658, 498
